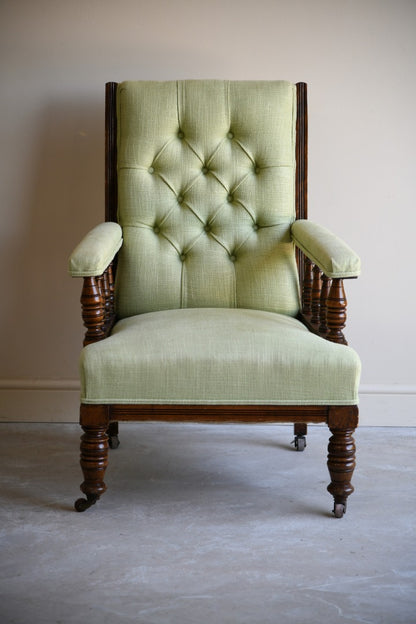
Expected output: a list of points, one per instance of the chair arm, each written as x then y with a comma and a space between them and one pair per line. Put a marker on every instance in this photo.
326, 250
96, 251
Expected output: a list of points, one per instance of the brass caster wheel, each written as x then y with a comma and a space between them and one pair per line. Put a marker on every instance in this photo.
339, 509
113, 442
299, 443
82, 504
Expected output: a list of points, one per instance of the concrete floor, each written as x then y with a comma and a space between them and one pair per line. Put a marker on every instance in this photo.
206, 525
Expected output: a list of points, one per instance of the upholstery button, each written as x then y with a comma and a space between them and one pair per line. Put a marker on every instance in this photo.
233, 258
230, 198
230, 135
207, 228
151, 170
180, 134
180, 199
255, 227
256, 169
156, 229
183, 257
205, 170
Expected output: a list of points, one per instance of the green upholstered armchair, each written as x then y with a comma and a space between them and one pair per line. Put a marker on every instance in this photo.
208, 296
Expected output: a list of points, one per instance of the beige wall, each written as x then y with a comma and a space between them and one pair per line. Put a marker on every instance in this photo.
358, 57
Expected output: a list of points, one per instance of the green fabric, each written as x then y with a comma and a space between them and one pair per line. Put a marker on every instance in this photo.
95, 252
218, 356
206, 173
326, 250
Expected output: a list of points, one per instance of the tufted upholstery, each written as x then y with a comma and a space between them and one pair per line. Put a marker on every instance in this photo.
206, 196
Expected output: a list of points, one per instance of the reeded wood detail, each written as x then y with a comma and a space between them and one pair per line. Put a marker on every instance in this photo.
111, 186
316, 295
307, 287
323, 308
336, 312
301, 195
111, 299
105, 286
108, 296
341, 464
302, 151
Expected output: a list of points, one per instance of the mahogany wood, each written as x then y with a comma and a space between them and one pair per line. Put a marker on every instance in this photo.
97, 302
93, 310
111, 187
96, 420
324, 304
105, 290
111, 298
323, 308
343, 417
220, 413
300, 429
301, 183
94, 459
307, 287
302, 151
316, 295
341, 464
336, 312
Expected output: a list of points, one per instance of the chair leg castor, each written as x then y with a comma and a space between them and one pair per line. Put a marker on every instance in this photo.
339, 509
112, 432
299, 443
82, 504
113, 442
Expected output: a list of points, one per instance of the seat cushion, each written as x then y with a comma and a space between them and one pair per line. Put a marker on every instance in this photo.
217, 356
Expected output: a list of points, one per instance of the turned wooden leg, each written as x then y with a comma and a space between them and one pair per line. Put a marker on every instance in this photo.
94, 453
341, 456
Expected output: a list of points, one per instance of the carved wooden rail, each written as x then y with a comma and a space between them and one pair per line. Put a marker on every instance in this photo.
97, 302
324, 304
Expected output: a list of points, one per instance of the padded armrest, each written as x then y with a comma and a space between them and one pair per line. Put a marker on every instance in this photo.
96, 251
329, 252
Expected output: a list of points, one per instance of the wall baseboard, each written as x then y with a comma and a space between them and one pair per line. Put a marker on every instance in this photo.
56, 401
39, 400
383, 405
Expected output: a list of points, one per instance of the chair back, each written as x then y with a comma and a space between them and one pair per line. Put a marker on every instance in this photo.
206, 195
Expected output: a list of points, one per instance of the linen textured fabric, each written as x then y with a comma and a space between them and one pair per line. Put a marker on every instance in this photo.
206, 179
334, 257
218, 356
96, 250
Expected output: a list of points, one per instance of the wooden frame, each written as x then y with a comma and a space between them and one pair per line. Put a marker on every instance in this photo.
323, 312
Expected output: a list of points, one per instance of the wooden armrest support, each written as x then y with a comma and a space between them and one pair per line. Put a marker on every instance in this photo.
324, 304
97, 303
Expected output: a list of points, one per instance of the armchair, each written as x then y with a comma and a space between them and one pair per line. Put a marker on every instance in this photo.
208, 296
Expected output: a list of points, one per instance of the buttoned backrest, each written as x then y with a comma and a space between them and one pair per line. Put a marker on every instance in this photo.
206, 179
